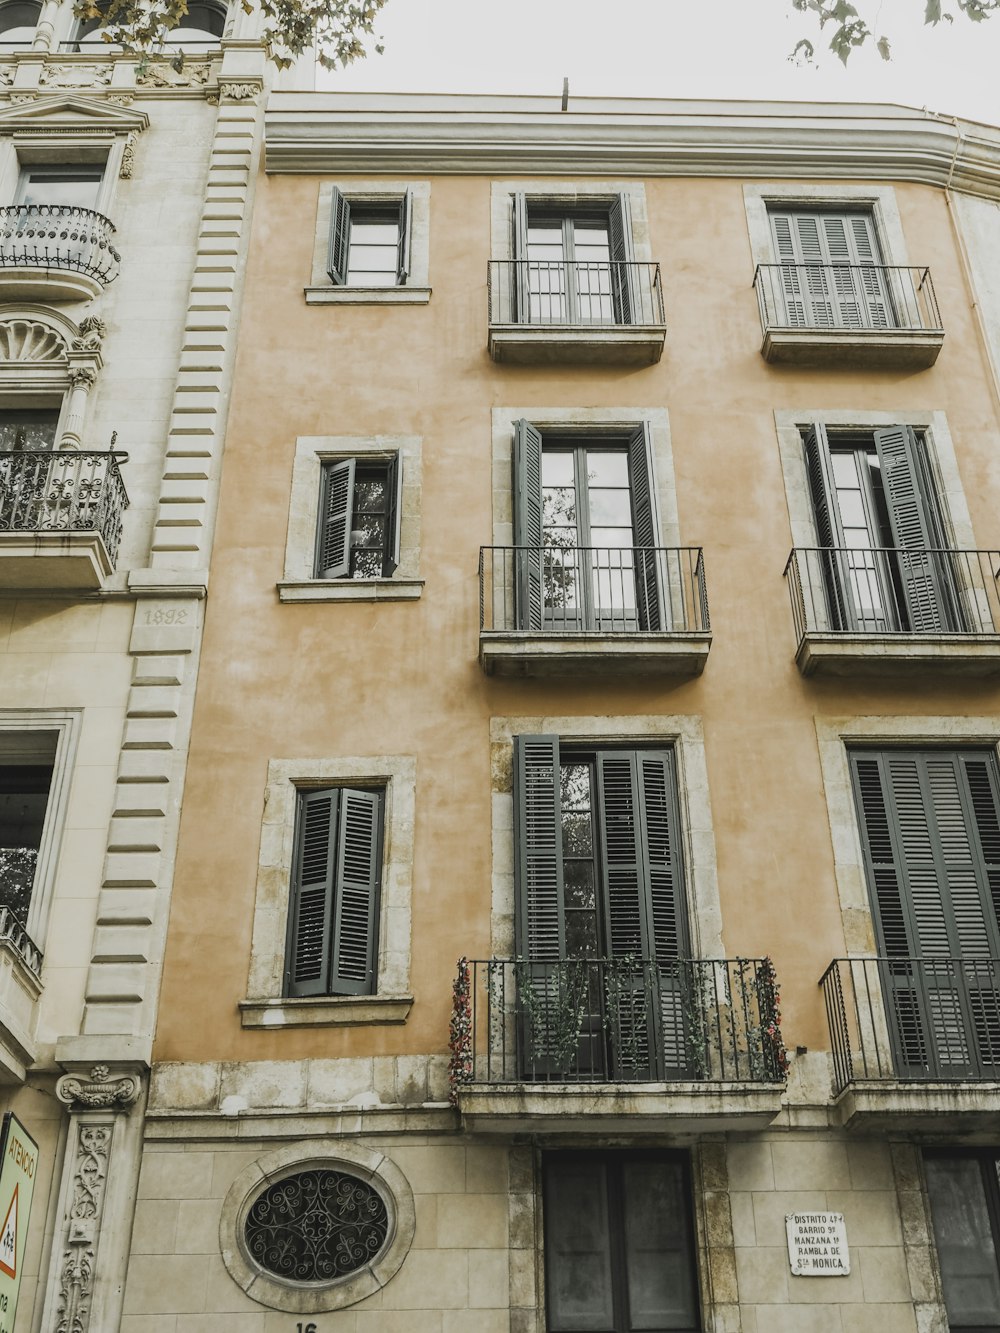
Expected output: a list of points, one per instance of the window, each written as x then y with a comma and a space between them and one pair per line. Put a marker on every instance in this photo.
930, 832
965, 1213
60, 186
574, 265
881, 532
599, 874
369, 241
27, 429
336, 886
203, 25
25, 781
619, 1243
18, 20
832, 273
585, 532
358, 533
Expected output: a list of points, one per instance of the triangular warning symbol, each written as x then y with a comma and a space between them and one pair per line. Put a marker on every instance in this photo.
8, 1239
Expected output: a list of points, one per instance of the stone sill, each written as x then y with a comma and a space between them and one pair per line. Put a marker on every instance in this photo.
63, 560
590, 655
953, 1109
350, 590
676, 1108
831, 654
554, 344
283, 1123
367, 295
859, 349
24, 283
326, 1011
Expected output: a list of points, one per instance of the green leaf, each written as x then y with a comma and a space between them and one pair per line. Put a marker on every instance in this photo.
882, 46
932, 12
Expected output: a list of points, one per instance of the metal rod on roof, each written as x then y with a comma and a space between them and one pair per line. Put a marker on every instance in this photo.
565, 97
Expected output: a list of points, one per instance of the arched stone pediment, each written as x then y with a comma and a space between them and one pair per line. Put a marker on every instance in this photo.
29, 340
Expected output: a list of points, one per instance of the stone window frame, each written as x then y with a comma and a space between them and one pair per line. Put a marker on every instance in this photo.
835, 736
880, 200
566, 194
66, 724
416, 290
299, 583
685, 735
584, 419
375, 1168
265, 1006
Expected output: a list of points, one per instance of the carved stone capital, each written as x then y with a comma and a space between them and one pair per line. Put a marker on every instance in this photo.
92, 333
240, 92
82, 377
101, 1090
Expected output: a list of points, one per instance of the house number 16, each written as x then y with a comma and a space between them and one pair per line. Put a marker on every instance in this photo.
305, 1328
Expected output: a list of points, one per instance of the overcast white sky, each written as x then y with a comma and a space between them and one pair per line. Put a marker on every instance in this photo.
675, 48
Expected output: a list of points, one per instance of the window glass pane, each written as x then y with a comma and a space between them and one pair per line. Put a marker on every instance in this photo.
26, 429
559, 506
845, 472
965, 1244
77, 189
24, 794
581, 935
607, 468
658, 1254
608, 507
369, 495
557, 467
367, 564
578, 1248
578, 884
852, 509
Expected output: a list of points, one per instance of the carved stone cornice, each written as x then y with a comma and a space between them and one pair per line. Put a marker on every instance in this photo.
102, 1090
463, 134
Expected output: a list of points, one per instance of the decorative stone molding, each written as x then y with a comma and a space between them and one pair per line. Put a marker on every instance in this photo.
163, 74
30, 340
240, 92
101, 1091
93, 331
128, 158
83, 377
78, 1264
75, 76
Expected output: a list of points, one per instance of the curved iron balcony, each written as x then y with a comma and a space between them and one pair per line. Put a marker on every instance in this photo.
60, 517
56, 251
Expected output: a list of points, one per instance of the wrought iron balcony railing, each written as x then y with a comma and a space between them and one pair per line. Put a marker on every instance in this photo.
887, 590
593, 589
913, 1019
63, 492
58, 236
847, 298
574, 293
14, 935
616, 1020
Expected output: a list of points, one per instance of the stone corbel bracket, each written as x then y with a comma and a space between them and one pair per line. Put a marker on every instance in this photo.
101, 1090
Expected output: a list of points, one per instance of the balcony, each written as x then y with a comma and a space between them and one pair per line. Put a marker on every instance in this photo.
915, 1042
20, 987
567, 312
886, 611
55, 252
589, 611
866, 316
602, 1045
60, 518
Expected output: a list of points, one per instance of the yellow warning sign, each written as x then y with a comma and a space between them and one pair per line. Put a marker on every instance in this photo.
18, 1169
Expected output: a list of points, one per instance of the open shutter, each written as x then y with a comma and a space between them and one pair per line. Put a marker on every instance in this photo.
527, 494
340, 236
336, 511
649, 592
540, 926
624, 287
792, 284
310, 918
356, 893
405, 216
394, 512
835, 564
660, 820
924, 576
520, 280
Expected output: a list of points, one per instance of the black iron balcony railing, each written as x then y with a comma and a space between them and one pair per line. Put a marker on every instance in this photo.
574, 292
616, 1020
595, 589
847, 298
58, 236
15, 937
913, 1019
887, 590
63, 492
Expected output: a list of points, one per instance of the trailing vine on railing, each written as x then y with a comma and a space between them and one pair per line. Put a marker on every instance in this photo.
553, 1000
765, 985
460, 1066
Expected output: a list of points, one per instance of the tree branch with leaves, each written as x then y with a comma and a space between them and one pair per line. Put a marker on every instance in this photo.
852, 30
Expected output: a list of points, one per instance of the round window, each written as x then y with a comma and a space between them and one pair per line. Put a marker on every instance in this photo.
316, 1226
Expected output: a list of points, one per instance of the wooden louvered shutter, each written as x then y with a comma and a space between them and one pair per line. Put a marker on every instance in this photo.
394, 513
520, 295
925, 576
832, 275
540, 925
356, 893
829, 532
791, 276
310, 917
405, 218
340, 238
648, 589
336, 511
527, 495
984, 802
624, 288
